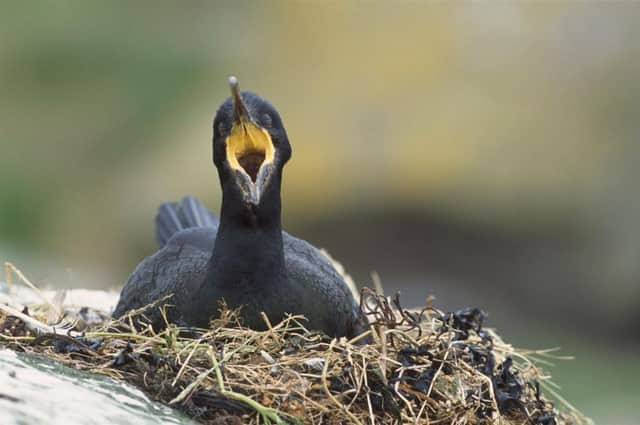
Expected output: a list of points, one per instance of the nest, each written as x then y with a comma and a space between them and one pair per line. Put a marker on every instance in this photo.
421, 367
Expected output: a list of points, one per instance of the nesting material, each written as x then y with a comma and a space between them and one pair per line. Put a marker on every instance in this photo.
422, 367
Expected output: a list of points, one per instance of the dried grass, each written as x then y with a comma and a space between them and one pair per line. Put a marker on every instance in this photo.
423, 367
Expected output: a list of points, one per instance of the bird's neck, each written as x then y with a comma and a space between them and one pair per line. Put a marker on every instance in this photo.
249, 240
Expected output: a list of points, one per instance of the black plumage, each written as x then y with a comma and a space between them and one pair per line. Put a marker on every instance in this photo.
244, 258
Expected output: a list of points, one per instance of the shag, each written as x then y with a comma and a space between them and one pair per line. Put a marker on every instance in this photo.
245, 258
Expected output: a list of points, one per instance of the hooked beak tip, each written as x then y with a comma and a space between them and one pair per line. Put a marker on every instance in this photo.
239, 109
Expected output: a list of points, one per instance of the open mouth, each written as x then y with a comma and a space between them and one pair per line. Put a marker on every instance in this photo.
248, 148
251, 163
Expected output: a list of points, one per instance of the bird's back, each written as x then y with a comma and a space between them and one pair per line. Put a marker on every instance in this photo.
327, 300
185, 233
177, 270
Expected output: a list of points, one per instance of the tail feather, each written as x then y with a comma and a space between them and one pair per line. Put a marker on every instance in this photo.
167, 222
194, 214
173, 217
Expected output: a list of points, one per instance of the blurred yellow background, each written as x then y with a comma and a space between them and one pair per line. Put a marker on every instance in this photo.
485, 153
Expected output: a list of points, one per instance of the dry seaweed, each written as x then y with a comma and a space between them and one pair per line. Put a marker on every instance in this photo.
421, 367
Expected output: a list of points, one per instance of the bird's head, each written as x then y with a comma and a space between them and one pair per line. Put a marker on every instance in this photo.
250, 145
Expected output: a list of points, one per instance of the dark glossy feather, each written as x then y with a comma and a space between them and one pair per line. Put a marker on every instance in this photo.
181, 264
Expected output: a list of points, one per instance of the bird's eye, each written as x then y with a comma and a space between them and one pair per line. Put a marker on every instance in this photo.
267, 122
221, 128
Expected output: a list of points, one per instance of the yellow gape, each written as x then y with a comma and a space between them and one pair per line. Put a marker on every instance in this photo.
248, 147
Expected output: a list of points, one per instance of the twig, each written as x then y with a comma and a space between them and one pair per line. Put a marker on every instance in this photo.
325, 368
9, 267
35, 324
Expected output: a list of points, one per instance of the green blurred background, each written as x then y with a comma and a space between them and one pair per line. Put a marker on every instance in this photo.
484, 153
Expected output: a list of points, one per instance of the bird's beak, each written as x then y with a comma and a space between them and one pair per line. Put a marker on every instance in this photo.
250, 151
